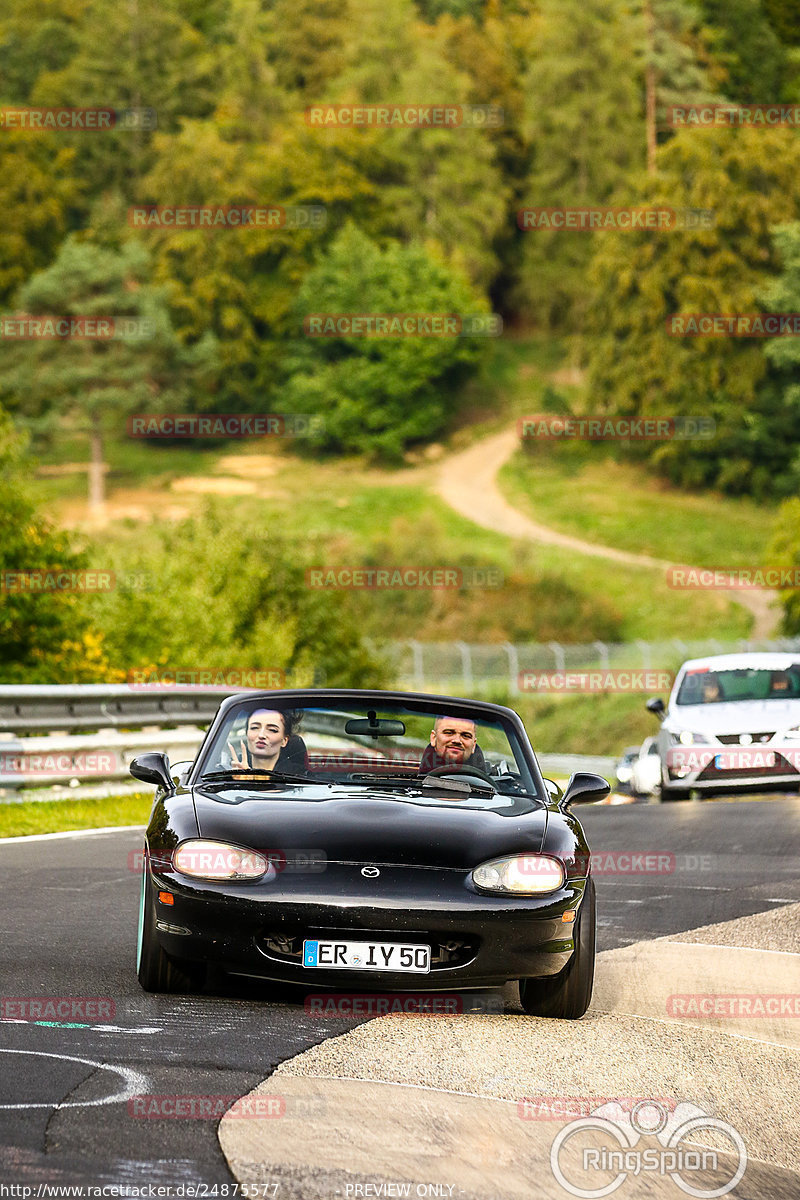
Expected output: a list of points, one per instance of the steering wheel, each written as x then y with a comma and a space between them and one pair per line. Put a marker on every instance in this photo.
462, 769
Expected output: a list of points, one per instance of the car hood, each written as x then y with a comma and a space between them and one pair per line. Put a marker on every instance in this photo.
737, 716
337, 825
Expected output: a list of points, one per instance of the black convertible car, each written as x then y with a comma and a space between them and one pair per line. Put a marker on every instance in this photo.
370, 839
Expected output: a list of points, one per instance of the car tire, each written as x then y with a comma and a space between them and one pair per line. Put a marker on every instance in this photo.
566, 996
156, 971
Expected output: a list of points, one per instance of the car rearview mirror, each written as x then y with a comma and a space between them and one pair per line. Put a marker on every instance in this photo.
584, 788
375, 726
656, 705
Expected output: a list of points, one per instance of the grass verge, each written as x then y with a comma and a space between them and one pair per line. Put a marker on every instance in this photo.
59, 816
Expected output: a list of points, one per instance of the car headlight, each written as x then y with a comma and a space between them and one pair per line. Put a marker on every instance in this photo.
792, 733
520, 874
687, 738
204, 859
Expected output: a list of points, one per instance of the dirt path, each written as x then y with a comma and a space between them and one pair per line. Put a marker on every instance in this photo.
467, 481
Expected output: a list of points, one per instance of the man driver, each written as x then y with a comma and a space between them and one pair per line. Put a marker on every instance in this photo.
453, 743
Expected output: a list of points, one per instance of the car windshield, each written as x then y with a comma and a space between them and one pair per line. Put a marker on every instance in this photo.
704, 686
467, 756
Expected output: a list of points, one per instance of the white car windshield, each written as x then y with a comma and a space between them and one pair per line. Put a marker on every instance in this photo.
375, 742
706, 686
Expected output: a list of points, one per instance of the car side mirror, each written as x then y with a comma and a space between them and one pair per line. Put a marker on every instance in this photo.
153, 767
584, 788
656, 706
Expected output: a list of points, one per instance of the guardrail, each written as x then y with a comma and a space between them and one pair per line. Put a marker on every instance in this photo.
67, 707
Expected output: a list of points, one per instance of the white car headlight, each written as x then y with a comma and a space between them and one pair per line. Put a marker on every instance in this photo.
520, 875
687, 738
204, 859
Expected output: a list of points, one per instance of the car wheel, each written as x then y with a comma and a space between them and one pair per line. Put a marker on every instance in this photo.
567, 994
157, 972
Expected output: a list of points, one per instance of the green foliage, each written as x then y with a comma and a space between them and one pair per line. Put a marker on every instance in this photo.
95, 383
524, 604
784, 16
749, 179
45, 636
215, 593
36, 190
583, 121
379, 394
748, 49
784, 552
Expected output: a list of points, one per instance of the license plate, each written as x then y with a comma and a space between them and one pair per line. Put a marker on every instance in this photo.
367, 956
745, 760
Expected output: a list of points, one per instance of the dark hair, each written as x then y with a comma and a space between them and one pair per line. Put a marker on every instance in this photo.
289, 718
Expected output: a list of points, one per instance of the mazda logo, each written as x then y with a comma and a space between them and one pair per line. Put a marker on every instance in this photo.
370, 872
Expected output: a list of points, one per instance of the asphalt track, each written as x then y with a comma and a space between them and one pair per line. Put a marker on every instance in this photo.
70, 914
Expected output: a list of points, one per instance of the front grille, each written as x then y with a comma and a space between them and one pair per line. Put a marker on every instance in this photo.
452, 951
732, 739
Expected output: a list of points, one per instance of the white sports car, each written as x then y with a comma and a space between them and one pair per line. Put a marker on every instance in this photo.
733, 721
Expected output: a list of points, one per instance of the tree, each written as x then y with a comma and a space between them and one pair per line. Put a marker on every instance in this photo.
244, 604
582, 120
46, 636
748, 180
96, 383
748, 48
784, 552
379, 394
784, 16
671, 55
37, 188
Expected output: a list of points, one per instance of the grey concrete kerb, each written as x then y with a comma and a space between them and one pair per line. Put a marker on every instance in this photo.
435, 1101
